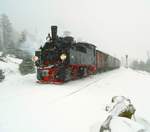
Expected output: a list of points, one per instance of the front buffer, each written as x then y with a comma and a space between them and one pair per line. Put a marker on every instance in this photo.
59, 75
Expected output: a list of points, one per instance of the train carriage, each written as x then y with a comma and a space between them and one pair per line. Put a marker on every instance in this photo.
101, 61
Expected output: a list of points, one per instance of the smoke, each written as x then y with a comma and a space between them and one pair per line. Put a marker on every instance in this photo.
31, 43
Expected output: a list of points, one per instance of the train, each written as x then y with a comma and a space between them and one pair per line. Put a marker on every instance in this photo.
61, 59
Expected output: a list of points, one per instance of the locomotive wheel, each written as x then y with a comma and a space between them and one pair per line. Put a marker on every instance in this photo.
85, 72
89, 71
81, 72
68, 74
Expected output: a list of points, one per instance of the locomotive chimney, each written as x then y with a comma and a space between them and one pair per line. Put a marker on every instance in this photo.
54, 32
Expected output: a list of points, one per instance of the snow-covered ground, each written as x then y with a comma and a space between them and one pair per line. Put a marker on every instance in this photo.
76, 106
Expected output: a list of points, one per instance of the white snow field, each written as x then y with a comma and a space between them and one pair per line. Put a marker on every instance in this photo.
76, 106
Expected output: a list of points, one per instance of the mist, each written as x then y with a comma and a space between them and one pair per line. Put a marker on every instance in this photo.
117, 27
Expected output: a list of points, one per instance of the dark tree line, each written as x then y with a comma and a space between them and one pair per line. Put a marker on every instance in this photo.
141, 65
11, 42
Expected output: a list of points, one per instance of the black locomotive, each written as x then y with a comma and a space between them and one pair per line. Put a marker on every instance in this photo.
62, 59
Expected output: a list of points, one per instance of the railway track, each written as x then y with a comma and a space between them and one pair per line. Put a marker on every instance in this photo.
73, 92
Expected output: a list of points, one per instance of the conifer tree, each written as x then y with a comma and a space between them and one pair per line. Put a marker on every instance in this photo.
27, 66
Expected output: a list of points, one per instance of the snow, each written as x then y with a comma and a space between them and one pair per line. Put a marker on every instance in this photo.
76, 106
10, 65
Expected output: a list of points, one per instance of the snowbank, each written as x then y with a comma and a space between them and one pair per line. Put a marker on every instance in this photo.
10, 65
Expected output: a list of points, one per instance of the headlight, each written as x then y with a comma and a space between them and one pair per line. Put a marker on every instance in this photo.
35, 58
63, 57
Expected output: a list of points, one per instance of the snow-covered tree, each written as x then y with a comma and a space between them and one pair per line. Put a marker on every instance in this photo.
27, 66
23, 36
135, 64
6, 33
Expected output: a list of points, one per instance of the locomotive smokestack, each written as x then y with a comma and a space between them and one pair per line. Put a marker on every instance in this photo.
54, 32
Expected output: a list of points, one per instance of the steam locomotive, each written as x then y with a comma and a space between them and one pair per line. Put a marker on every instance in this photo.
62, 59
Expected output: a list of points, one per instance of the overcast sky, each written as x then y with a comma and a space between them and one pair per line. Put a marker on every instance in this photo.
118, 27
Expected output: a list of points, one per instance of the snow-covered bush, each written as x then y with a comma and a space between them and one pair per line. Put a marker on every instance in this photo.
27, 66
2, 76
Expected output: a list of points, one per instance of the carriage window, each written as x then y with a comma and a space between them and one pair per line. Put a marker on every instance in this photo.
81, 49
